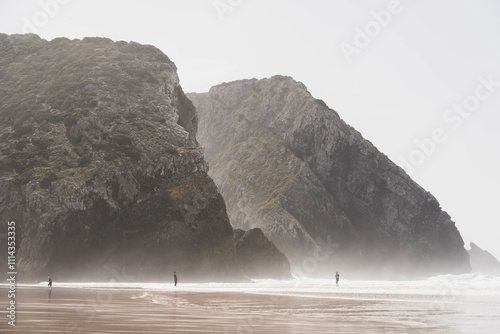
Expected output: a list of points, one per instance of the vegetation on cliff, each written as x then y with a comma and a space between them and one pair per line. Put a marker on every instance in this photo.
99, 165
289, 165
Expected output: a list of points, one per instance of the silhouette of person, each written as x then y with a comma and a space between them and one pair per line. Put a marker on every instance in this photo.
337, 278
50, 283
175, 278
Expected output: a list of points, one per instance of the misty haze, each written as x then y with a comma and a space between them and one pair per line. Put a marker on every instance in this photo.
241, 167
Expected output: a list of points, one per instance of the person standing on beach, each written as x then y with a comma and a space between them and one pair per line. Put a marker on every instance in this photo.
175, 278
50, 283
337, 278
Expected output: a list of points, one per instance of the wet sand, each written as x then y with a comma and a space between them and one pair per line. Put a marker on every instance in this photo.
86, 310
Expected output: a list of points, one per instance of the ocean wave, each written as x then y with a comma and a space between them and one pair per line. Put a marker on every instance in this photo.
460, 285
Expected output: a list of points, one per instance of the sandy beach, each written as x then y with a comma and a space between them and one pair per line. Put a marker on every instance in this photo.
468, 303
111, 310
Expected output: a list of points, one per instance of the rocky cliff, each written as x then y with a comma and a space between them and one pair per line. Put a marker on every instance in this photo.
287, 163
100, 168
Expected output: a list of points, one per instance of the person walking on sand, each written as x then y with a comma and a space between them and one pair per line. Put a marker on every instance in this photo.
50, 283
175, 278
337, 278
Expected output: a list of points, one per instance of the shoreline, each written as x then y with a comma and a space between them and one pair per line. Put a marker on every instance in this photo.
445, 304
117, 310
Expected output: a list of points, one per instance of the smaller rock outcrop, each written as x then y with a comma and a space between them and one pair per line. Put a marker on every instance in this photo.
257, 257
483, 261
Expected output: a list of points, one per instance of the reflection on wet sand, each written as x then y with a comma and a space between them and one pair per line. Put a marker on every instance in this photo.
69, 310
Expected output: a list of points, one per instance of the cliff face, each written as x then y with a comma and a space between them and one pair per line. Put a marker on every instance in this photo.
288, 164
99, 165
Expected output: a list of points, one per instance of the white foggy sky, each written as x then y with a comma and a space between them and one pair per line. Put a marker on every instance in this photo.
394, 91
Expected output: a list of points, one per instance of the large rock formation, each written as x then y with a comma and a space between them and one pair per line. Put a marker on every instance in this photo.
288, 164
483, 261
100, 168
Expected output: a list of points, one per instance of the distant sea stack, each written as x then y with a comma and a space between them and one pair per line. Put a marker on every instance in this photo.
100, 169
288, 164
483, 261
